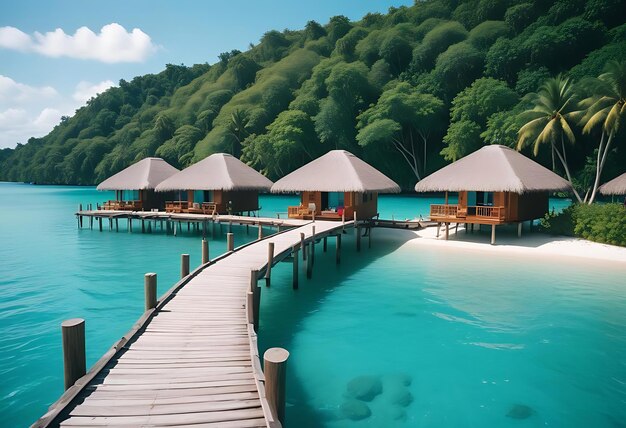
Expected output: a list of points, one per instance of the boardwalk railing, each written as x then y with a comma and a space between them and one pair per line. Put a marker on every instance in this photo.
443, 210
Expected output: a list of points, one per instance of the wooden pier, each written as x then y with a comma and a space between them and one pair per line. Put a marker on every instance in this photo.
193, 358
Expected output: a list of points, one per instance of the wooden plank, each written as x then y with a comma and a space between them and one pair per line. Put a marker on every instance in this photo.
166, 420
104, 399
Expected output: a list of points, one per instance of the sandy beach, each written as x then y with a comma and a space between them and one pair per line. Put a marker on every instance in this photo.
531, 243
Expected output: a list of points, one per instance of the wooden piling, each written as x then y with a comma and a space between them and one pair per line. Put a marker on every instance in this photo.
74, 361
309, 262
270, 262
294, 280
275, 372
150, 290
312, 252
184, 265
302, 246
260, 231
519, 229
205, 251
230, 241
338, 249
256, 297
91, 222
438, 227
117, 225
358, 238
369, 236
447, 230
493, 234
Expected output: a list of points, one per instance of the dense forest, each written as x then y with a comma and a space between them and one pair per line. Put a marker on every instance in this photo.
408, 91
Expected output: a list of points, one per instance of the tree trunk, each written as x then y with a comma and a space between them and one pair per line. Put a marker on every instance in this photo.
600, 164
565, 167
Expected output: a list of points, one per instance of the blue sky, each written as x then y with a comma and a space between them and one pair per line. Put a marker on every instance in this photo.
44, 76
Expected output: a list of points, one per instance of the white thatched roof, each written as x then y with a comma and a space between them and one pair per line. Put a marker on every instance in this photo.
493, 168
145, 174
617, 186
219, 171
336, 171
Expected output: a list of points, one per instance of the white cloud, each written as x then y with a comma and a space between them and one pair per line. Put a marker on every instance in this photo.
86, 90
14, 92
28, 111
113, 43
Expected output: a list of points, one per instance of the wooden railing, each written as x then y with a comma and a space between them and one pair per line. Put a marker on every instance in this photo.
443, 210
490, 212
176, 206
123, 205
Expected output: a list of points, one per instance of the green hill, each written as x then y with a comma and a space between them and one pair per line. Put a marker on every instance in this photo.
408, 91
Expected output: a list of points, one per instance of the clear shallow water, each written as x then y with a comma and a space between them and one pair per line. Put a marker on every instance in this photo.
514, 336
51, 271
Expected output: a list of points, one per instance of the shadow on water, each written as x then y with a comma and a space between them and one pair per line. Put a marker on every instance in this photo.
284, 311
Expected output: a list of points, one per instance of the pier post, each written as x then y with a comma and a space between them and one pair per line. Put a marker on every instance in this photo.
74, 361
275, 371
302, 246
91, 222
519, 229
438, 227
117, 225
338, 249
143, 225
260, 231
250, 307
369, 236
358, 237
230, 241
312, 252
100, 224
270, 262
447, 230
355, 224
130, 225
205, 251
150, 290
309, 263
294, 281
343, 220
184, 265
493, 234
325, 243
256, 297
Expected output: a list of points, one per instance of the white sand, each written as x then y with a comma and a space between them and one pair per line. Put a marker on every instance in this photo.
531, 243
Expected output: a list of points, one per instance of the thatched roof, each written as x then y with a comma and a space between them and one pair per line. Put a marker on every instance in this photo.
336, 171
493, 168
219, 171
617, 186
145, 174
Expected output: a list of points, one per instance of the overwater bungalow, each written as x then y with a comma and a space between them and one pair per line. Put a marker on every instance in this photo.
616, 187
134, 186
218, 184
336, 186
496, 185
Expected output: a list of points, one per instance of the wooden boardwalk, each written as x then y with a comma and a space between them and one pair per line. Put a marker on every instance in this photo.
193, 360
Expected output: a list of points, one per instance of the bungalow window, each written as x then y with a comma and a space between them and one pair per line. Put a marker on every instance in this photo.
484, 198
335, 200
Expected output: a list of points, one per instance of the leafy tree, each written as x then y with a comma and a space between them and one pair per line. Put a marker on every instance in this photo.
470, 111
529, 79
400, 118
244, 70
505, 59
183, 141
486, 33
605, 109
520, 16
313, 31
396, 48
164, 127
458, 66
463, 137
337, 27
550, 121
347, 44
435, 42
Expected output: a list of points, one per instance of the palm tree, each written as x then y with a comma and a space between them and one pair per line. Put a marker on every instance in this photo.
238, 129
605, 108
549, 120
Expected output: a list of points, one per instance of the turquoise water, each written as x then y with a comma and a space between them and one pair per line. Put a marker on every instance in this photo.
480, 341
50, 271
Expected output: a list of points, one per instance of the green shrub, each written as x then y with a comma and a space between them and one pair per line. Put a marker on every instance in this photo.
605, 223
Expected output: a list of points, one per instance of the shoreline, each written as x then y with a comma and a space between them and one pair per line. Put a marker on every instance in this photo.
530, 244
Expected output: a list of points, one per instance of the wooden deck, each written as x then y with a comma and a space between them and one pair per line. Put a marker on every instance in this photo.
193, 360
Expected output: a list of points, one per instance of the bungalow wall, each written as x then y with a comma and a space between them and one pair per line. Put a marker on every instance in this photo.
154, 200
527, 206
240, 200
365, 204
